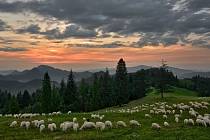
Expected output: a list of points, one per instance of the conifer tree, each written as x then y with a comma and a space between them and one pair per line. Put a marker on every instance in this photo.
121, 83
46, 94
70, 93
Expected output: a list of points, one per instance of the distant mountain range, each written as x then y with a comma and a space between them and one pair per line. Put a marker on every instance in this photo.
16, 81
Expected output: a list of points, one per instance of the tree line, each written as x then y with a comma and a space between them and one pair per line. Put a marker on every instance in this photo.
100, 91
197, 83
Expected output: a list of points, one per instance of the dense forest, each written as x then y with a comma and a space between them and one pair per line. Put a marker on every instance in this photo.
100, 91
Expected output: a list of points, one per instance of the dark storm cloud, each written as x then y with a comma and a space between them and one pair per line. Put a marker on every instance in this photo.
33, 29
3, 26
11, 49
150, 18
70, 31
115, 44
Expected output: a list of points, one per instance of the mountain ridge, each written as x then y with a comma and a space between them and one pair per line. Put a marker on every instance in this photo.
31, 79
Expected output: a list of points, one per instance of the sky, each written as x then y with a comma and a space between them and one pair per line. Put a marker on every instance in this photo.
92, 34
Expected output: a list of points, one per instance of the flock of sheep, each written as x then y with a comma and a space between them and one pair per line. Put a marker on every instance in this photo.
150, 111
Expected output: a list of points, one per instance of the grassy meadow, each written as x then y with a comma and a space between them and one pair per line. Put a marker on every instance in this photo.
176, 131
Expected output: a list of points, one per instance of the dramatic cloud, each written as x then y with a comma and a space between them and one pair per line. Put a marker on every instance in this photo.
11, 49
157, 22
3, 26
70, 31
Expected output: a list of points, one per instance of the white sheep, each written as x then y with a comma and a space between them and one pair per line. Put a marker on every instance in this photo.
66, 125
185, 121
166, 124
40, 123
88, 125
121, 124
49, 120
84, 119
52, 126
13, 124
173, 111
147, 116
74, 119
25, 124
207, 120
101, 117
151, 111
35, 122
201, 122
156, 126
134, 123
190, 121
176, 119
108, 124
100, 126
165, 117
75, 126
69, 112
177, 115
41, 128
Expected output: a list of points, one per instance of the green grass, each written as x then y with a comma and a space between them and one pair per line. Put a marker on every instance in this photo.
176, 131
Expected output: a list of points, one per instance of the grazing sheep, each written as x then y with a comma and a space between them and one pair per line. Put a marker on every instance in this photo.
165, 117
177, 115
134, 123
69, 112
152, 112
176, 119
25, 124
190, 121
66, 125
207, 121
35, 122
121, 124
156, 126
88, 125
13, 124
52, 126
22, 124
200, 117
75, 126
173, 111
41, 128
201, 122
40, 123
49, 120
84, 119
101, 117
166, 124
147, 116
100, 126
108, 124
74, 119
185, 121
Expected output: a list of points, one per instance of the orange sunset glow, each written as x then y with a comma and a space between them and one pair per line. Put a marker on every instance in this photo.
30, 38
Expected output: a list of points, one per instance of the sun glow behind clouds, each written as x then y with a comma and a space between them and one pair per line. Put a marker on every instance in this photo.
85, 57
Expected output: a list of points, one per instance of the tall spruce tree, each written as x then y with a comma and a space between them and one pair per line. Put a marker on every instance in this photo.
83, 95
56, 99
13, 105
26, 99
106, 89
62, 91
121, 83
95, 93
163, 78
46, 94
70, 93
